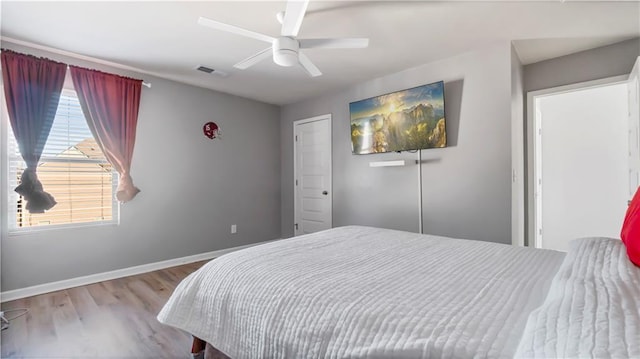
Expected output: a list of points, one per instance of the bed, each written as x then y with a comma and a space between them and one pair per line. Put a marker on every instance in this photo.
362, 292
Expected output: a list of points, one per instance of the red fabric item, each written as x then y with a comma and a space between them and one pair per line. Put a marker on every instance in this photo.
110, 104
32, 88
630, 233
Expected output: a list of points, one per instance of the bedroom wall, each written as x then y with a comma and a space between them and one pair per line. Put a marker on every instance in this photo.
466, 186
607, 61
193, 188
517, 149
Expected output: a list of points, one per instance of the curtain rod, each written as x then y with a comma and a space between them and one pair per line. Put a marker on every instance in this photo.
145, 84
86, 58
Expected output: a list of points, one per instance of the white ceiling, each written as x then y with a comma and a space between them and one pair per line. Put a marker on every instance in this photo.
163, 37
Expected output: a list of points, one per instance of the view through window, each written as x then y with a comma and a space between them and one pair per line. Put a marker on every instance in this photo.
72, 169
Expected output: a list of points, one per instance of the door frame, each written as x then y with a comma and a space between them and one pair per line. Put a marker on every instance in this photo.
531, 219
325, 117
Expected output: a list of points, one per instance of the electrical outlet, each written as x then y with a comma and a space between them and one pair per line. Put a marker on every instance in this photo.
234, 229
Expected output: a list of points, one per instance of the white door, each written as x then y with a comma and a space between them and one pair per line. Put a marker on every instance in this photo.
312, 171
633, 86
583, 164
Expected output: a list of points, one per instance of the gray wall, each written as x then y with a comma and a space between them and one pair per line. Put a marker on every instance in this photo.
517, 148
602, 62
193, 188
467, 188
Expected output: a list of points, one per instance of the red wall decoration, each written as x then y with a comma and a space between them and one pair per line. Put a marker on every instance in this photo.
211, 130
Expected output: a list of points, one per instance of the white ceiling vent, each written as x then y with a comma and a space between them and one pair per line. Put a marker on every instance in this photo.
209, 70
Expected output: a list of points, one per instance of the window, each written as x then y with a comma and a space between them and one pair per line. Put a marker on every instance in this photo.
72, 169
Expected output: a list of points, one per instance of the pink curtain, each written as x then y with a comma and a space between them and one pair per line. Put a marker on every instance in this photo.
32, 88
110, 104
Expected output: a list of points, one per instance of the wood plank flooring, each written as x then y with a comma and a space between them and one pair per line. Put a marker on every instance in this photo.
112, 319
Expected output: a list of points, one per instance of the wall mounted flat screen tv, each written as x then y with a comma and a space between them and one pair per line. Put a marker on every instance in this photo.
406, 120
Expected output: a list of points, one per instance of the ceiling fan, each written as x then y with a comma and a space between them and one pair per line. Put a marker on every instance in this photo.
286, 48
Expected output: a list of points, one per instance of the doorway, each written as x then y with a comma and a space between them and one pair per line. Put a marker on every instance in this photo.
580, 167
312, 175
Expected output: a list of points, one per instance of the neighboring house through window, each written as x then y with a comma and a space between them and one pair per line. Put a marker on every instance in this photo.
72, 169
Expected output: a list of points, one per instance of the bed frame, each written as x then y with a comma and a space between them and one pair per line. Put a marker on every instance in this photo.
199, 349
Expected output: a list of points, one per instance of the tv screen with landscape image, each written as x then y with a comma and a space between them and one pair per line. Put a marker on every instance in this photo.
406, 120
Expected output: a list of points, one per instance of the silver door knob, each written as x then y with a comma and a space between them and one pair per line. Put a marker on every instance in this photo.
325, 193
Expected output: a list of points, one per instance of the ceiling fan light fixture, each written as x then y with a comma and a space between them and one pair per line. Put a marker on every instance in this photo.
286, 48
285, 51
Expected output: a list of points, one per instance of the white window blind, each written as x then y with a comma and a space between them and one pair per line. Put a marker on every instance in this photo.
72, 169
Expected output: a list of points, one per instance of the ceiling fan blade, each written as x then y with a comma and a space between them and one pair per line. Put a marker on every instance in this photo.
293, 16
351, 43
233, 29
308, 66
254, 59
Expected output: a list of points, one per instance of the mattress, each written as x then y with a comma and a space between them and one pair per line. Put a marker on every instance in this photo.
592, 309
361, 292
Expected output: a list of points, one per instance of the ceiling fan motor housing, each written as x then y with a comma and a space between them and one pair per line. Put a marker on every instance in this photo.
285, 51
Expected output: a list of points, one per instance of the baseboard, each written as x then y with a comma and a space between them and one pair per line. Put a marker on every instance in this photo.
118, 273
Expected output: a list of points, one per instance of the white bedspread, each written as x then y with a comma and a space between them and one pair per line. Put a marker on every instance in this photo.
592, 309
359, 292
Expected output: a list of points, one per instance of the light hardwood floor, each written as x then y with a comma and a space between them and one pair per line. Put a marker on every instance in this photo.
112, 319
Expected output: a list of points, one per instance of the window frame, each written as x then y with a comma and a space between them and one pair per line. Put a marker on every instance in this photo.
11, 198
